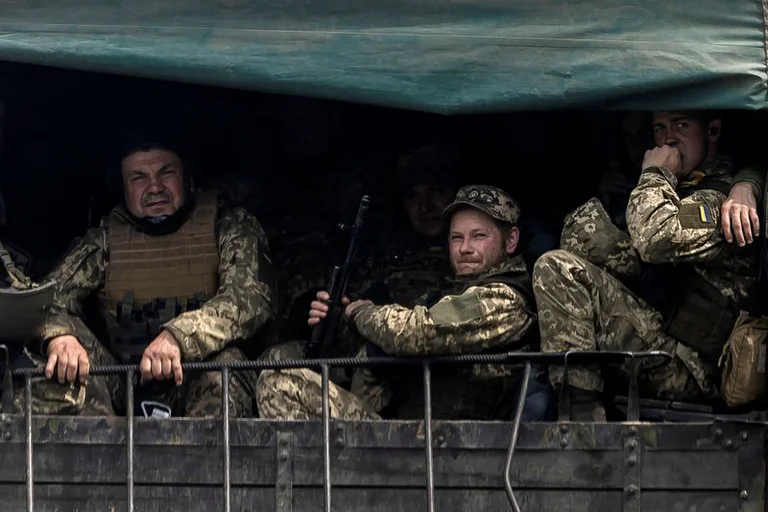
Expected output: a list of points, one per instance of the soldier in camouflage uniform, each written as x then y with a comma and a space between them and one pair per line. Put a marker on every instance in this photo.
176, 276
410, 263
489, 308
672, 218
413, 261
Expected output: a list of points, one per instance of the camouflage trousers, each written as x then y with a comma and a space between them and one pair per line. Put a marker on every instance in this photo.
104, 395
582, 307
297, 394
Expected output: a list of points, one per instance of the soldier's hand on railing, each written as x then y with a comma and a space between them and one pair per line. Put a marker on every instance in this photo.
319, 309
162, 359
738, 215
68, 357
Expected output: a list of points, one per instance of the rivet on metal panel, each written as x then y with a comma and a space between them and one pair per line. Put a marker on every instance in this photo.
631, 444
284, 472
727, 443
744, 436
7, 435
441, 441
632, 460
564, 442
744, 495
633, 489
718, 433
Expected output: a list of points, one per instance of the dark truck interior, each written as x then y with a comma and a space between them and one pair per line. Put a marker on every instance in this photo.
300, 164
293, 157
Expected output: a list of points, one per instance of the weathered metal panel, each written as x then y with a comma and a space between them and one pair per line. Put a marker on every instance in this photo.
79, 464
690, 470
82, 498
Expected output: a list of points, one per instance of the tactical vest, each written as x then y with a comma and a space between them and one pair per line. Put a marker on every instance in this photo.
404, 383
152, 279
519, 279
699, 315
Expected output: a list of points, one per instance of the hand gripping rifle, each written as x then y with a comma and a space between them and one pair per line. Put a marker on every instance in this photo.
324, 334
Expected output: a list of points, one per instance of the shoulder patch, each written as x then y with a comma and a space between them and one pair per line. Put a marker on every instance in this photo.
457, 309
696, 215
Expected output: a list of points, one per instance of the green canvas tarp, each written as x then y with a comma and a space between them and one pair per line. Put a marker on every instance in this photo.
445, 56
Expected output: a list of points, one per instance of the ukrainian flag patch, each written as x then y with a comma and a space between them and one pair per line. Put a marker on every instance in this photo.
696, 215
706, 217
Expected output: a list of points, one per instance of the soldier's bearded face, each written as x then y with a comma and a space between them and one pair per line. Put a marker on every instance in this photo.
694, 140
476, 243
424, 205
153, 182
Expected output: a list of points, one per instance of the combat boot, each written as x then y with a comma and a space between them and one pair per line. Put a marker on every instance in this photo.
587, 406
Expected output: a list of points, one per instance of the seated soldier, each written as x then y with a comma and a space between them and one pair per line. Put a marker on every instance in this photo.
176, 277
412, 260
672, 219
489, 308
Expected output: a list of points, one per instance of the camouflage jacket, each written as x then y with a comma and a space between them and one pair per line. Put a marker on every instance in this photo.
667, 229
480, 318
242, 304
475, 318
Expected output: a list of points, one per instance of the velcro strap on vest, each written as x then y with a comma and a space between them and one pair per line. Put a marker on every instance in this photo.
18, 280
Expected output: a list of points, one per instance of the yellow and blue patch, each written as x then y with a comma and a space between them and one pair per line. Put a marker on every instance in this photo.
696, 215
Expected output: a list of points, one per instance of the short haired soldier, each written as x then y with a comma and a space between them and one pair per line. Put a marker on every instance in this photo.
413, 260
177, 276
673, 225
489, 308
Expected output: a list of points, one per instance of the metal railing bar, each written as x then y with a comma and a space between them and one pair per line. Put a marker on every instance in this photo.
28, 435
225, 426
129, 404
430, 468
7, 399
513, 439
633, 395
326, 438
564, 399
550, 358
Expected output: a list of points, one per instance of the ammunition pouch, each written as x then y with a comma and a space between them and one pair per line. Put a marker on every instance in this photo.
743, 361
702, 318
136, 325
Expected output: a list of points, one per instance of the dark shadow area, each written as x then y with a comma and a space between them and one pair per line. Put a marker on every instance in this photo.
290, 157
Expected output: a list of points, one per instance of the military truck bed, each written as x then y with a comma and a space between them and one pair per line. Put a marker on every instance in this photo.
80, 465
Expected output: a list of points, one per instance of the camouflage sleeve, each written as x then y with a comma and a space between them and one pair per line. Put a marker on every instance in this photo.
754, 176
666, 229
244, 301
81, 273
480, 318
